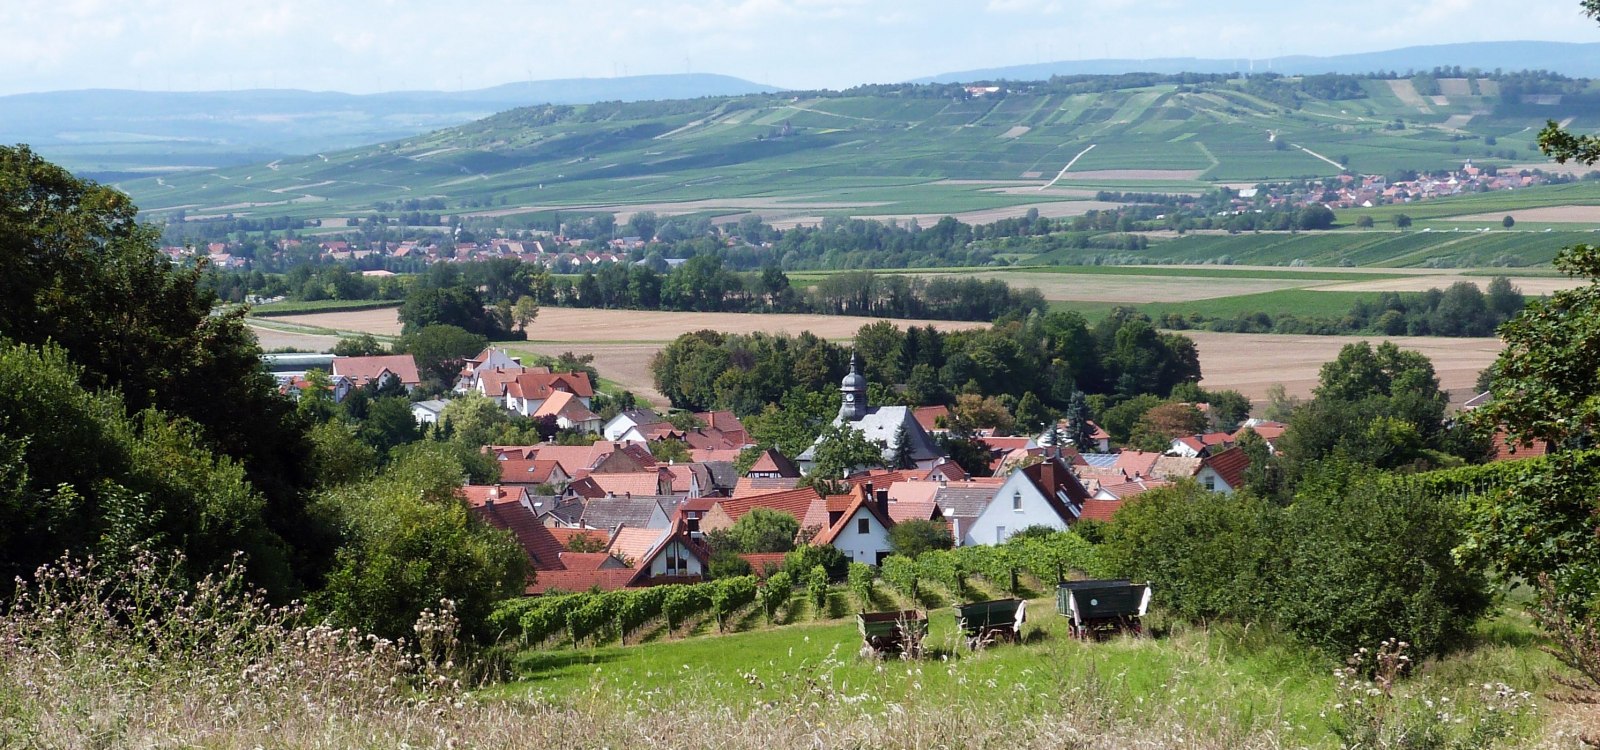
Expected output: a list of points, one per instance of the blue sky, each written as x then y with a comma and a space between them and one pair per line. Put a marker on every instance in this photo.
372, 45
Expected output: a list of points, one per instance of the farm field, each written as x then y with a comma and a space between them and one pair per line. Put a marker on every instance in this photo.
1252, 362
856, 153
623, 341
1448, 247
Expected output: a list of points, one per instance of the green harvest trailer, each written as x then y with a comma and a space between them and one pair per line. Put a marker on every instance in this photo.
1103, 607
885, 633
986, 622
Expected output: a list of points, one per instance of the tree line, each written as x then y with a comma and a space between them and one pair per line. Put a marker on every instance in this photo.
1462, 309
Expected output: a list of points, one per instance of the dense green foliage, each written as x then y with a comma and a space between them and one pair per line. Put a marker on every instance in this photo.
411, 542
1327, 567
761, 530
1460, 310
914, 537
1052, 356
85, 276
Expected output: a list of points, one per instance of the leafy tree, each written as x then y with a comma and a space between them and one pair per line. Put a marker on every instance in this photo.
338, 455
82, 474
1544, 386
763, 530
363, 345
860, 578
817, 587
1119, 421
913, 538
411, 542
586, 543
88, 277
389, 423
726, 563
1508, 222
776, 593
457, 306
1161, 424
670, 450
473, 419
524, 312
841, 449
973, 412
1402, 221
440, 349
802, 559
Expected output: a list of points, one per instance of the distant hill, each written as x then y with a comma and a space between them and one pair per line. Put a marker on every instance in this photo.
1577, 60
109, 133
903, 150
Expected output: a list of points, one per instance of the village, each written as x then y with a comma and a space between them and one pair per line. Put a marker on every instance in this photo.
605, 514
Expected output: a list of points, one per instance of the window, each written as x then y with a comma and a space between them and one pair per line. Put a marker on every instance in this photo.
1016, 501
1210, 482
999, 534
864, 526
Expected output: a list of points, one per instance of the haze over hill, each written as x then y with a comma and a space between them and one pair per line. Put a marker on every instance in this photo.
103, 132
905, 151
1576, 60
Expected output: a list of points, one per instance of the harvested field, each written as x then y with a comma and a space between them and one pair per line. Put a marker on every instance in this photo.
566, 324
1532, 286
1570, 168
1052, 210
1016, 131
626, 365
273, 339
1251, 362
1067, 287
1175, 175
1543, 214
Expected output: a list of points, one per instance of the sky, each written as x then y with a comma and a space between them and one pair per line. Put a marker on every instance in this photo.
362, 46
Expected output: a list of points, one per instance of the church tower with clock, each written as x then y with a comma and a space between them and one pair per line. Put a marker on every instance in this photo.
854, 388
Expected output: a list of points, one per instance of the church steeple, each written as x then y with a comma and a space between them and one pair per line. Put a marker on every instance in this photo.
854, 390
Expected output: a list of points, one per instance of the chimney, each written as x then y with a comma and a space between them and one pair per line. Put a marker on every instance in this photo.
494, 494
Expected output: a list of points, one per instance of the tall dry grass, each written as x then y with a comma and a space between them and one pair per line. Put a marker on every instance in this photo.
92, 658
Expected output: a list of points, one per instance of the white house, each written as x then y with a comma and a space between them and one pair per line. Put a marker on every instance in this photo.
862, 529
1044, 494
1224, 471
488, 359
625, 426
427, 412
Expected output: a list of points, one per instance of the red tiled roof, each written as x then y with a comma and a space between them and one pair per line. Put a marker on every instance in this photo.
760, 562
1269, 430
519, 471
538, 386
494, 381
636, 544
751, 487
909, 511
1507, 450
1137, 463
928, 417
604, 579
796, 503
772, 461
1230, 465
708, 455
646, 483
1200, 443
478, 495
541, 546
363, 369
1100, 510
584, 560
565, 535
859, 501
566, 405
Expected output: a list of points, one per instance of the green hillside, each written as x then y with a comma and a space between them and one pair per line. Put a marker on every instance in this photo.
889, 151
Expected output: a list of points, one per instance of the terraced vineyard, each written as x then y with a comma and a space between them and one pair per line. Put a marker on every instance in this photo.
894, 153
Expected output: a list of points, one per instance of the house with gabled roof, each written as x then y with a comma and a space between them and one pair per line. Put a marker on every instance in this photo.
651, 483
379, 369
528, 391
676, 557
491, 358
1193, 446
773, 465
1047, 494
533, 472
804, 504
626, 425
1223, 471
860, 528
569, 412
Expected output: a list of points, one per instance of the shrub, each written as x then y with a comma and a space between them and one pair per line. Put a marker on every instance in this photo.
861, 576
728, 595
726, 563
817, 587
800, 561
913, 538
1368, 559
901, 573
1207, 555
776, 593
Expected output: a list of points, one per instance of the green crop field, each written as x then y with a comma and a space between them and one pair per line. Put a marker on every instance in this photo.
332, 305
1381, 248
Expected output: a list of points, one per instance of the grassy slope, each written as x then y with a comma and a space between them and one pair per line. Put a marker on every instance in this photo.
1251, 676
